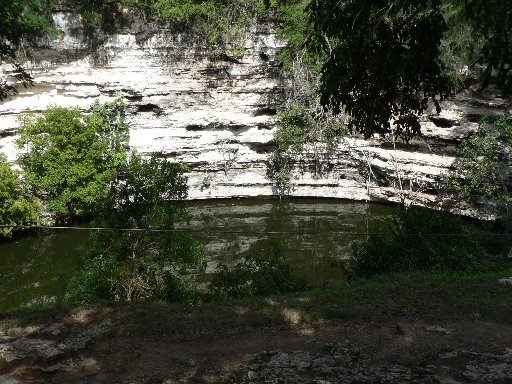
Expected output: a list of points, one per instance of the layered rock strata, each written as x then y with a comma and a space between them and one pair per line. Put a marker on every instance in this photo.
216, 112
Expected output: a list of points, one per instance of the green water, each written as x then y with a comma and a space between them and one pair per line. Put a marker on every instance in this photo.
36, 269
318, 233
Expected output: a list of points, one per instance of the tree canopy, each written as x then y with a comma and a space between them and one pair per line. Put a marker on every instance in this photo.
493, 20
383, 62
140, 256
19, 20
70, 159
380, 60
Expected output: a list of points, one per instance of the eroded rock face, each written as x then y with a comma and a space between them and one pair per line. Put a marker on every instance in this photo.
216, 112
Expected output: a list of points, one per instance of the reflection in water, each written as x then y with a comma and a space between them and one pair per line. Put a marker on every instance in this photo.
318, 233
35, 270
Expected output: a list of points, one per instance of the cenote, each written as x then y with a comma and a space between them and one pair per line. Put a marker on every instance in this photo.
318, 233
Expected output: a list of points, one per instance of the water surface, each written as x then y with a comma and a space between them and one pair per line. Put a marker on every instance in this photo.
318, 233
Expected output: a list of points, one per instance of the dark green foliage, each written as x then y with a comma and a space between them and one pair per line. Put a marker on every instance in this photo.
493, 20
142, 256
142, 190
180, 289
291, 135
382, 60
301, 130
96, 280
100, 12
481, 172
265, 273
23, 18
295, 128
299, 126
417, 239
279, 169
220, 21
19, 19
504, 126
294, 28
460, 46
70, 159
17, 206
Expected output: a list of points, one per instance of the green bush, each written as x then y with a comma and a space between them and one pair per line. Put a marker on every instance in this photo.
141, 256
504, 126
479, 162
17, 206
95, 282
70, 159
220, 21
417, 239
265, 273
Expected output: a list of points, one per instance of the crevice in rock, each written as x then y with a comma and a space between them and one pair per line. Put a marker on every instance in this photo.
131, 95
8, 133
226, 58
443, 122
430, 191
406, 147
474, 117
195, 127
266, 111
261, 148
237, 127
263, 56
266, 127
149, 107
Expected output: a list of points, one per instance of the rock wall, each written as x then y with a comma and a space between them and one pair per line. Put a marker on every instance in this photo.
216, 112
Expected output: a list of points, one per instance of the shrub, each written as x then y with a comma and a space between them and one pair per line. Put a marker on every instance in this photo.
460, 45
265, 273
479, 163
17, 206
140, 256
417, 239
220, 21
95, 282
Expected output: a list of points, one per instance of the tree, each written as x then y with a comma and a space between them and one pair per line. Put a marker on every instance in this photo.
17, 206
383, 57
493, 20
19, 20
382, 62
139, 255
70, 158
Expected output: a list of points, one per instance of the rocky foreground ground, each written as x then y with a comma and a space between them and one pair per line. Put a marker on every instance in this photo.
111, 345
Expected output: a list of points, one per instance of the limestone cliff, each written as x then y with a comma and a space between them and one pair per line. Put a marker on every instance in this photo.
216, 112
